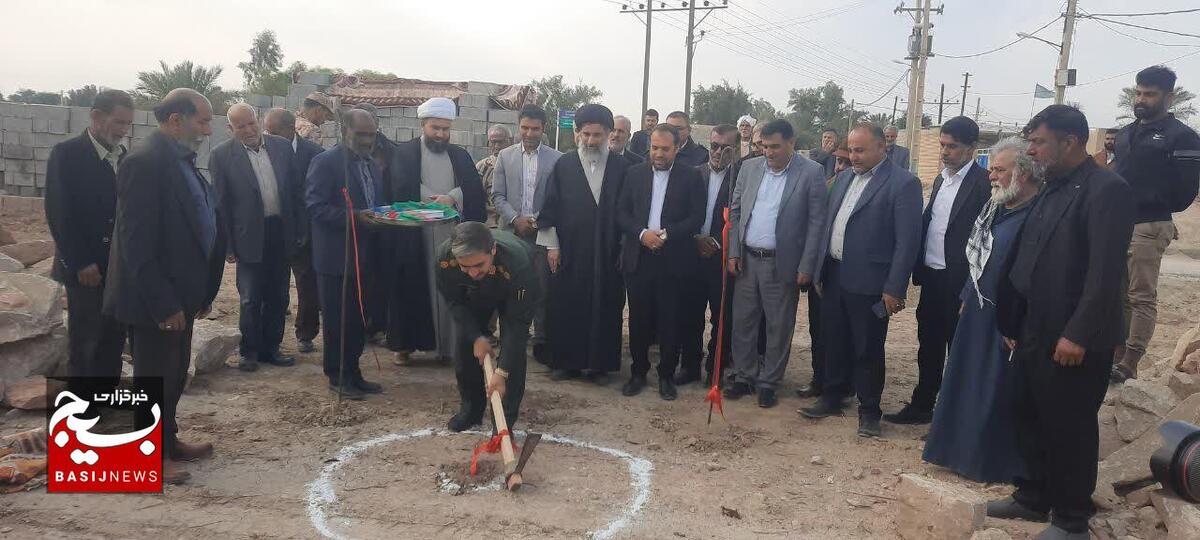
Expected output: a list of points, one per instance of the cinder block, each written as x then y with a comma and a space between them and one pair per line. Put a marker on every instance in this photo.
11, 137
18, 165
20, 110
404, 134
46, 140
292, 103
461, 138
408, 112
22, 125
39, 154
301, 90
3, 165
278, 101
39, 180
473, 113
410, 122
39, 167
50, 112
314, 78
479, 140
462, 124
480, 128
17, 151
28, 191
81, 118
259, 100
41, 125
58, 127
19, 178
501, 116
481, 101
146, 131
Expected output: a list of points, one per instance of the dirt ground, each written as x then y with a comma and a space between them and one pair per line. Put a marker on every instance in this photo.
754, 474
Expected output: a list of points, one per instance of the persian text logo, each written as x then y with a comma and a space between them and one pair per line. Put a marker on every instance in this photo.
85, 458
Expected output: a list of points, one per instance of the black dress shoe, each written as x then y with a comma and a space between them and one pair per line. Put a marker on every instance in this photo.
821, 409
350, 391
738, 389
910, 415
464, 421
766, 398
1009, 508
248, 364
305, 346
565, 374
277, 360
634, 386
809, 391
686, 377
869, 427
666, 389
541, 354
368, 387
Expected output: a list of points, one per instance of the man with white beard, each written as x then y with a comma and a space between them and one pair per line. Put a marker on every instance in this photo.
973, 432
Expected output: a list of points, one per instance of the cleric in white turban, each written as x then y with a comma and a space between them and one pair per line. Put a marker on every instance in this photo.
745, 126
438, 107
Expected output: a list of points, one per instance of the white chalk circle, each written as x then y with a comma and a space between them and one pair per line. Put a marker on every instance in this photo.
321, 493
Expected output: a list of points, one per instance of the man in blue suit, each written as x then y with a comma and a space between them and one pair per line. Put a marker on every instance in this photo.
348, 165
868, 247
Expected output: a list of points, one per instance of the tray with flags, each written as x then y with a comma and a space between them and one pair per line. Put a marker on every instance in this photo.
412, 214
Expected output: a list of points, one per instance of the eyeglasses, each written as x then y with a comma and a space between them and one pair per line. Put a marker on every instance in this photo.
719, 146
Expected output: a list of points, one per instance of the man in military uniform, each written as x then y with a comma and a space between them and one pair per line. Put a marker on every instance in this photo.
480, 272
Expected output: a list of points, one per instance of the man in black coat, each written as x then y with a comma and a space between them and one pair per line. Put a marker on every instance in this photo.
1059, 304
639, 143
167, 257
81, 198
260, 218
689, 153
660, 210
282, 123
959, 193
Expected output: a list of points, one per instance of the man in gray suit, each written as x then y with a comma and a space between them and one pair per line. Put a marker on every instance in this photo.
870, 241
259, 212
518, 191
898, 154
776, 213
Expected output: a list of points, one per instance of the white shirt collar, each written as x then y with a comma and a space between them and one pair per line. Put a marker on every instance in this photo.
117, 150
962, 173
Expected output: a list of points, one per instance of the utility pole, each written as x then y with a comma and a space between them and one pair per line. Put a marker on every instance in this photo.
962, 111
918, 53
1064, 54
941, 103
850, 124
895, 103
690, 7
691, 44
977, 100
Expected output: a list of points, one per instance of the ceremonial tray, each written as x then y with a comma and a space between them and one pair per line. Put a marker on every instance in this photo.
412, 214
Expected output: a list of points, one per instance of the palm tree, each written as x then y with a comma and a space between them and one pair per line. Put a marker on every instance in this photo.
153, 85
1182, 106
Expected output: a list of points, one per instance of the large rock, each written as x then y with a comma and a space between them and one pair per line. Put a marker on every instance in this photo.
1140, 405
31, 252
29, 306
1188, 343
1110, 440
212, 343
933, 510
9, 264
1131, 464
27, 394
1183, 384
1182, 519
42, 355
1132, 423
6, 237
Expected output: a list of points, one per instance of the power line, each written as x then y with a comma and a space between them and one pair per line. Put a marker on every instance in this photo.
797, 21
1152, 29
1147, 14
1006, 45
1144, 40
889, 90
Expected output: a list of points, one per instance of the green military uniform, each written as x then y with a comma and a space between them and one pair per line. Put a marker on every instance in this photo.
511, 291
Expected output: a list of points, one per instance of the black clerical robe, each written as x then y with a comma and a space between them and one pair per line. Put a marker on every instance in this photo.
410, 319
586, 297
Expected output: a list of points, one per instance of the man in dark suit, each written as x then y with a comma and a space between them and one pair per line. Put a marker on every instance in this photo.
898, 154
871, 240
253, 176
661, 207
81, 198
639, 143
348, 165
824, 155
959, 194
618, 140
167, 257
282, 123
690, 153
1060, 306
705, 288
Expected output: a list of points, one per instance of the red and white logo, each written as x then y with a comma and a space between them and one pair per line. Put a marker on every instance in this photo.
82, 461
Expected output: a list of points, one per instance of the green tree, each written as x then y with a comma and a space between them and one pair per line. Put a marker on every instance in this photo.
82, 96
556, 95
153, 85
1182, 106
902, 120
762, 110
372, 75
262, 72
720, 103
26, 95
816, 108
879, 119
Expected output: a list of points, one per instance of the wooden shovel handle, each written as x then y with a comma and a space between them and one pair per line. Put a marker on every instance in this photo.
506, 446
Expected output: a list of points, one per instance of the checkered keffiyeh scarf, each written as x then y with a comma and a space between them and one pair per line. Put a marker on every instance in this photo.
979, 246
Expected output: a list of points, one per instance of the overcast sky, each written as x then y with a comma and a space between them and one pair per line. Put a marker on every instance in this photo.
769, 46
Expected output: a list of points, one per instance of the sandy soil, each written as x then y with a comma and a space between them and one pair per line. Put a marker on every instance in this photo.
755, 474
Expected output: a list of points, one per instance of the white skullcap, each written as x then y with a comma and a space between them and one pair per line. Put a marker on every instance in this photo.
438, 107
747, 119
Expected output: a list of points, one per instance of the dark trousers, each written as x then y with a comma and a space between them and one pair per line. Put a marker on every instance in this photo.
818, 340
332, 294
165, 354
655, 298
703, 293
937, 317
472, 389
95, 341
263, 289
854, 338
1057, 432
308, 302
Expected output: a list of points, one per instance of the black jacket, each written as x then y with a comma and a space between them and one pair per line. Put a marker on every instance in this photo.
639, 143
1161, 163
242, 215
718, 213
974, 192
691, 154
682, 215
305, 151
1063, 275
158, 265
81, 200
404, 176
